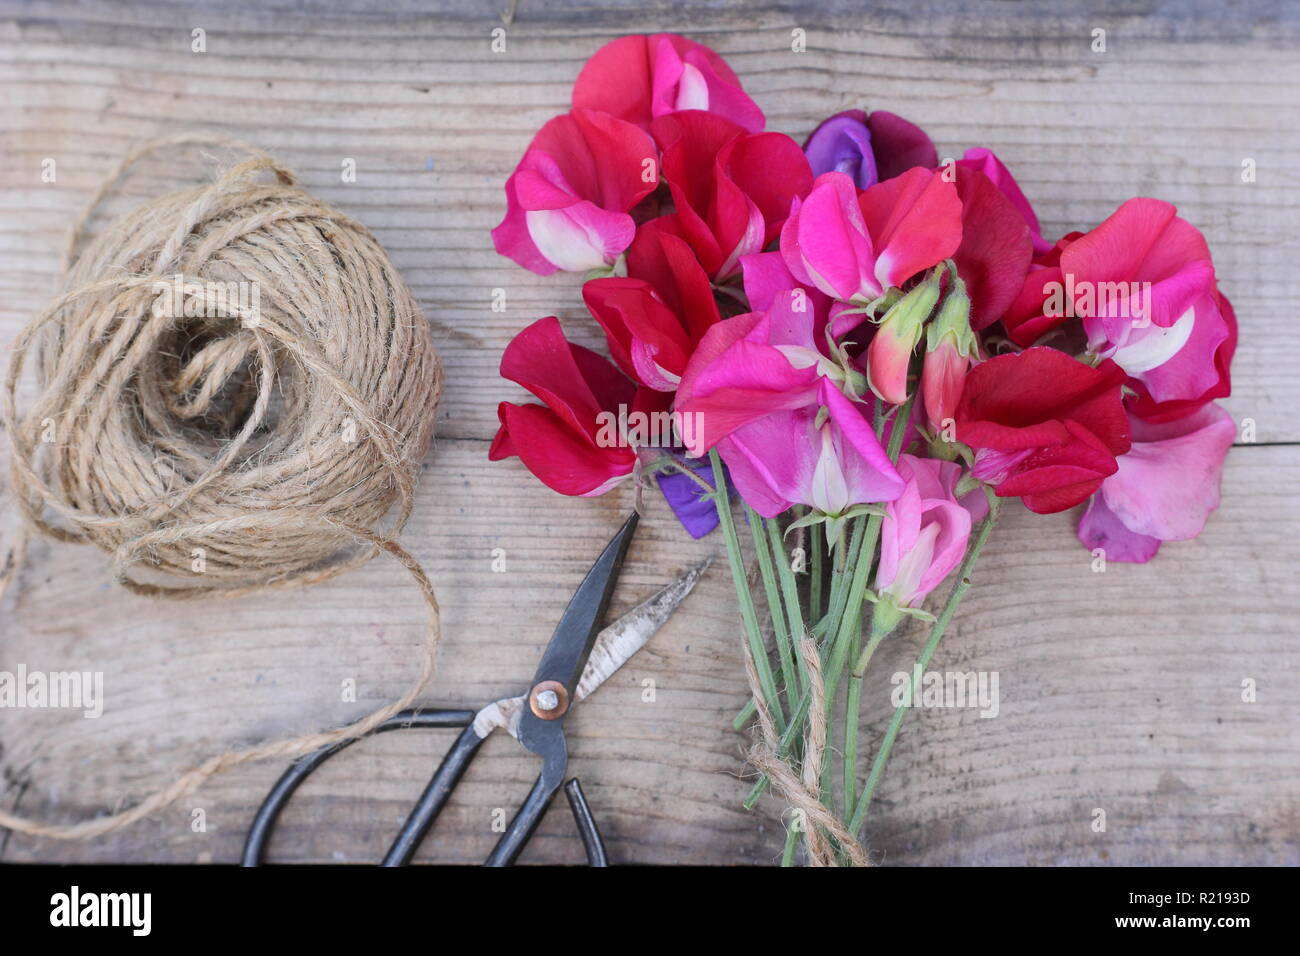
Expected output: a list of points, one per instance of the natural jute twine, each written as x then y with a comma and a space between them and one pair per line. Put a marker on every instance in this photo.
824, 832
220, 441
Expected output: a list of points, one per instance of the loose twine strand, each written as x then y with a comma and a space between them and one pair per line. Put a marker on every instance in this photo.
270, 438
824, 833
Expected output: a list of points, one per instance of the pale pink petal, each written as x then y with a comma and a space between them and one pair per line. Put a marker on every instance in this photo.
1100, 528
1167, 488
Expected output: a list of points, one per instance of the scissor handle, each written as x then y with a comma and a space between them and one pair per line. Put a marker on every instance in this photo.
435, 796
433, 799
269, 812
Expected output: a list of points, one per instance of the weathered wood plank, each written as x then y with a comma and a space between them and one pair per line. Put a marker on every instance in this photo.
1120, 690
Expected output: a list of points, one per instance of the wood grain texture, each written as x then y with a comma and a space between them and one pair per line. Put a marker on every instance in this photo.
1119, 690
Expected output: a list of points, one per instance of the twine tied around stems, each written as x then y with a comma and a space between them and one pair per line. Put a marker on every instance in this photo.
826, 835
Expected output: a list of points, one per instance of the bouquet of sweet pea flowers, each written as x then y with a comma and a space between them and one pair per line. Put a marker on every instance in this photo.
858, 354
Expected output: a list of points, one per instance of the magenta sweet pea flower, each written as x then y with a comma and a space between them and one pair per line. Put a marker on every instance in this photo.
640, 78
746, 368
567, 201
824, 455
855, 247
1165, 489
924, 533
1143, 283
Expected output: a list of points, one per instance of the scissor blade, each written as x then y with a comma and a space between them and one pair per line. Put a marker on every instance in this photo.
617, 643
614, 647
566, 655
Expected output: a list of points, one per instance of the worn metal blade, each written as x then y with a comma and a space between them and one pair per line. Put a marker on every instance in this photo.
617, 643
614, 647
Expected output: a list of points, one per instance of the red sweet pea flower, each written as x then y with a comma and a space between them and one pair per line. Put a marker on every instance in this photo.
987, 162
732, 189
640, 78
996, 247
1028, 319
1046, 428
563, 442
654, 317
567, 201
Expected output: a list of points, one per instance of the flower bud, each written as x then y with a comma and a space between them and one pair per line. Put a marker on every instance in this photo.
950, 349
890, 351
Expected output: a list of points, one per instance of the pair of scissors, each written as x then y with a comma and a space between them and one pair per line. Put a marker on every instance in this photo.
579, 658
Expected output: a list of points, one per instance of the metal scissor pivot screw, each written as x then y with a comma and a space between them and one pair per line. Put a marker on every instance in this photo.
549, 700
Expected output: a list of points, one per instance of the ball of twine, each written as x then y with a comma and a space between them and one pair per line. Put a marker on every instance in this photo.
235, 389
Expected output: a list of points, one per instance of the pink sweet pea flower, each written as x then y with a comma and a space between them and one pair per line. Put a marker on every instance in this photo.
654, 317
855, 247
925, 529
640, 78
567, 201
746, 368
1165, 488
561, 442
824, 455
1144, 285
732, 190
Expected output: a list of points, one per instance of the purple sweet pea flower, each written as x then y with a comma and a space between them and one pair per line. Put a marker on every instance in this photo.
842, 144
869, 148
697, 514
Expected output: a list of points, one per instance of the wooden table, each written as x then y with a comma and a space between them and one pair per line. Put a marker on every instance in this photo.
1120, 690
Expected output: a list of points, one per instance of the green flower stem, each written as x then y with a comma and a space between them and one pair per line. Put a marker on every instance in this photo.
795, 727
791, 842
790, 596
745, 716
851, 710
838, 596
860, 557
746, 600
815, 581
936, 634
865, 561
768, 573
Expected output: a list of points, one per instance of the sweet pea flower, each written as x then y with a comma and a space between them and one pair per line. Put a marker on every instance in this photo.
1144, 406
746, 368
1144, 285
1046, 428
567, 201
923, 535
654, 317
986, 162
890, 353
996, 248
951, 350
560, 441
640, 78
1035, 310
824, 455
853, 247
732, 190
1165, 489
868, 148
